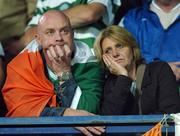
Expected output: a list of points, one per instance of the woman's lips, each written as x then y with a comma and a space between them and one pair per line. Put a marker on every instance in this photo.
119, 60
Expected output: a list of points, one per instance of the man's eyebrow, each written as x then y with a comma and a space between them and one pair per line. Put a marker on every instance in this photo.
65, 27
49, 29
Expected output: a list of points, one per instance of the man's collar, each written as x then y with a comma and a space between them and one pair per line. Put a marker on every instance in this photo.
51, 73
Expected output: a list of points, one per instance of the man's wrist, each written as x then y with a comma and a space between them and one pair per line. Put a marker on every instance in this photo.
68, 112
64, 76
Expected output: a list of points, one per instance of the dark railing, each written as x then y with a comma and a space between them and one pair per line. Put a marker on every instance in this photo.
115, 125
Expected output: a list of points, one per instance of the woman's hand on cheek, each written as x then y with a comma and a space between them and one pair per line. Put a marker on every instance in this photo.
114, 67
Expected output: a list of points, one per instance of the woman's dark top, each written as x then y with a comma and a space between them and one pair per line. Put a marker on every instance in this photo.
159, 93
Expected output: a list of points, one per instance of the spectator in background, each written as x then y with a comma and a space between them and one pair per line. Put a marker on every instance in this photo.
118, 51
126, 5
42, 83
14, 15
156, 28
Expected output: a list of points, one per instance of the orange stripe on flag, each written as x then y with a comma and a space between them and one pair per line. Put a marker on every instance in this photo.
155, 131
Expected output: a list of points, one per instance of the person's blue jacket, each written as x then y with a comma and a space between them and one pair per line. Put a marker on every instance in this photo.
156, 43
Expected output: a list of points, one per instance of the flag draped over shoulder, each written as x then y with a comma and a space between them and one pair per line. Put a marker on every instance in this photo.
155, 131
27, 90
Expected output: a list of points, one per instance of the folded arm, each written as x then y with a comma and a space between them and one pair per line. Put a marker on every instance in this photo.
85, 14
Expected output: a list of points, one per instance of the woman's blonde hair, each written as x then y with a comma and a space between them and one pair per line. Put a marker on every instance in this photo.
121, 36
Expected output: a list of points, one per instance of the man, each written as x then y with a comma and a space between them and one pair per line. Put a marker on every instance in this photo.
42, 83
156, 27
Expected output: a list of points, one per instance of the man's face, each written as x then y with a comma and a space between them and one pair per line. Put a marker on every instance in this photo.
165, 2
55, 31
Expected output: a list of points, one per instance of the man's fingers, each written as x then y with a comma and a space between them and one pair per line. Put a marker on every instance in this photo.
89, 131
97, 130
101, 128
84, 131
93, 130
52, 59
67, 51
52, 52
59, 51
49, 55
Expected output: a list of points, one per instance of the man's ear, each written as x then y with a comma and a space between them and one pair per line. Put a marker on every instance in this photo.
38, 39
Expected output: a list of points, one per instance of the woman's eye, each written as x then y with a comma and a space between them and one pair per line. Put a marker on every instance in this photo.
119, 46
108, 51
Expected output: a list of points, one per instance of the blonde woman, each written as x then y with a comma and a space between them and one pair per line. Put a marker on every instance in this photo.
118, 51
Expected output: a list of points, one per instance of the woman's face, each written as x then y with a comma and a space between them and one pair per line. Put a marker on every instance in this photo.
121, 54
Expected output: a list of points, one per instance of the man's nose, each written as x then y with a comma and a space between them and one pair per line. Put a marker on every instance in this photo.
59, 36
